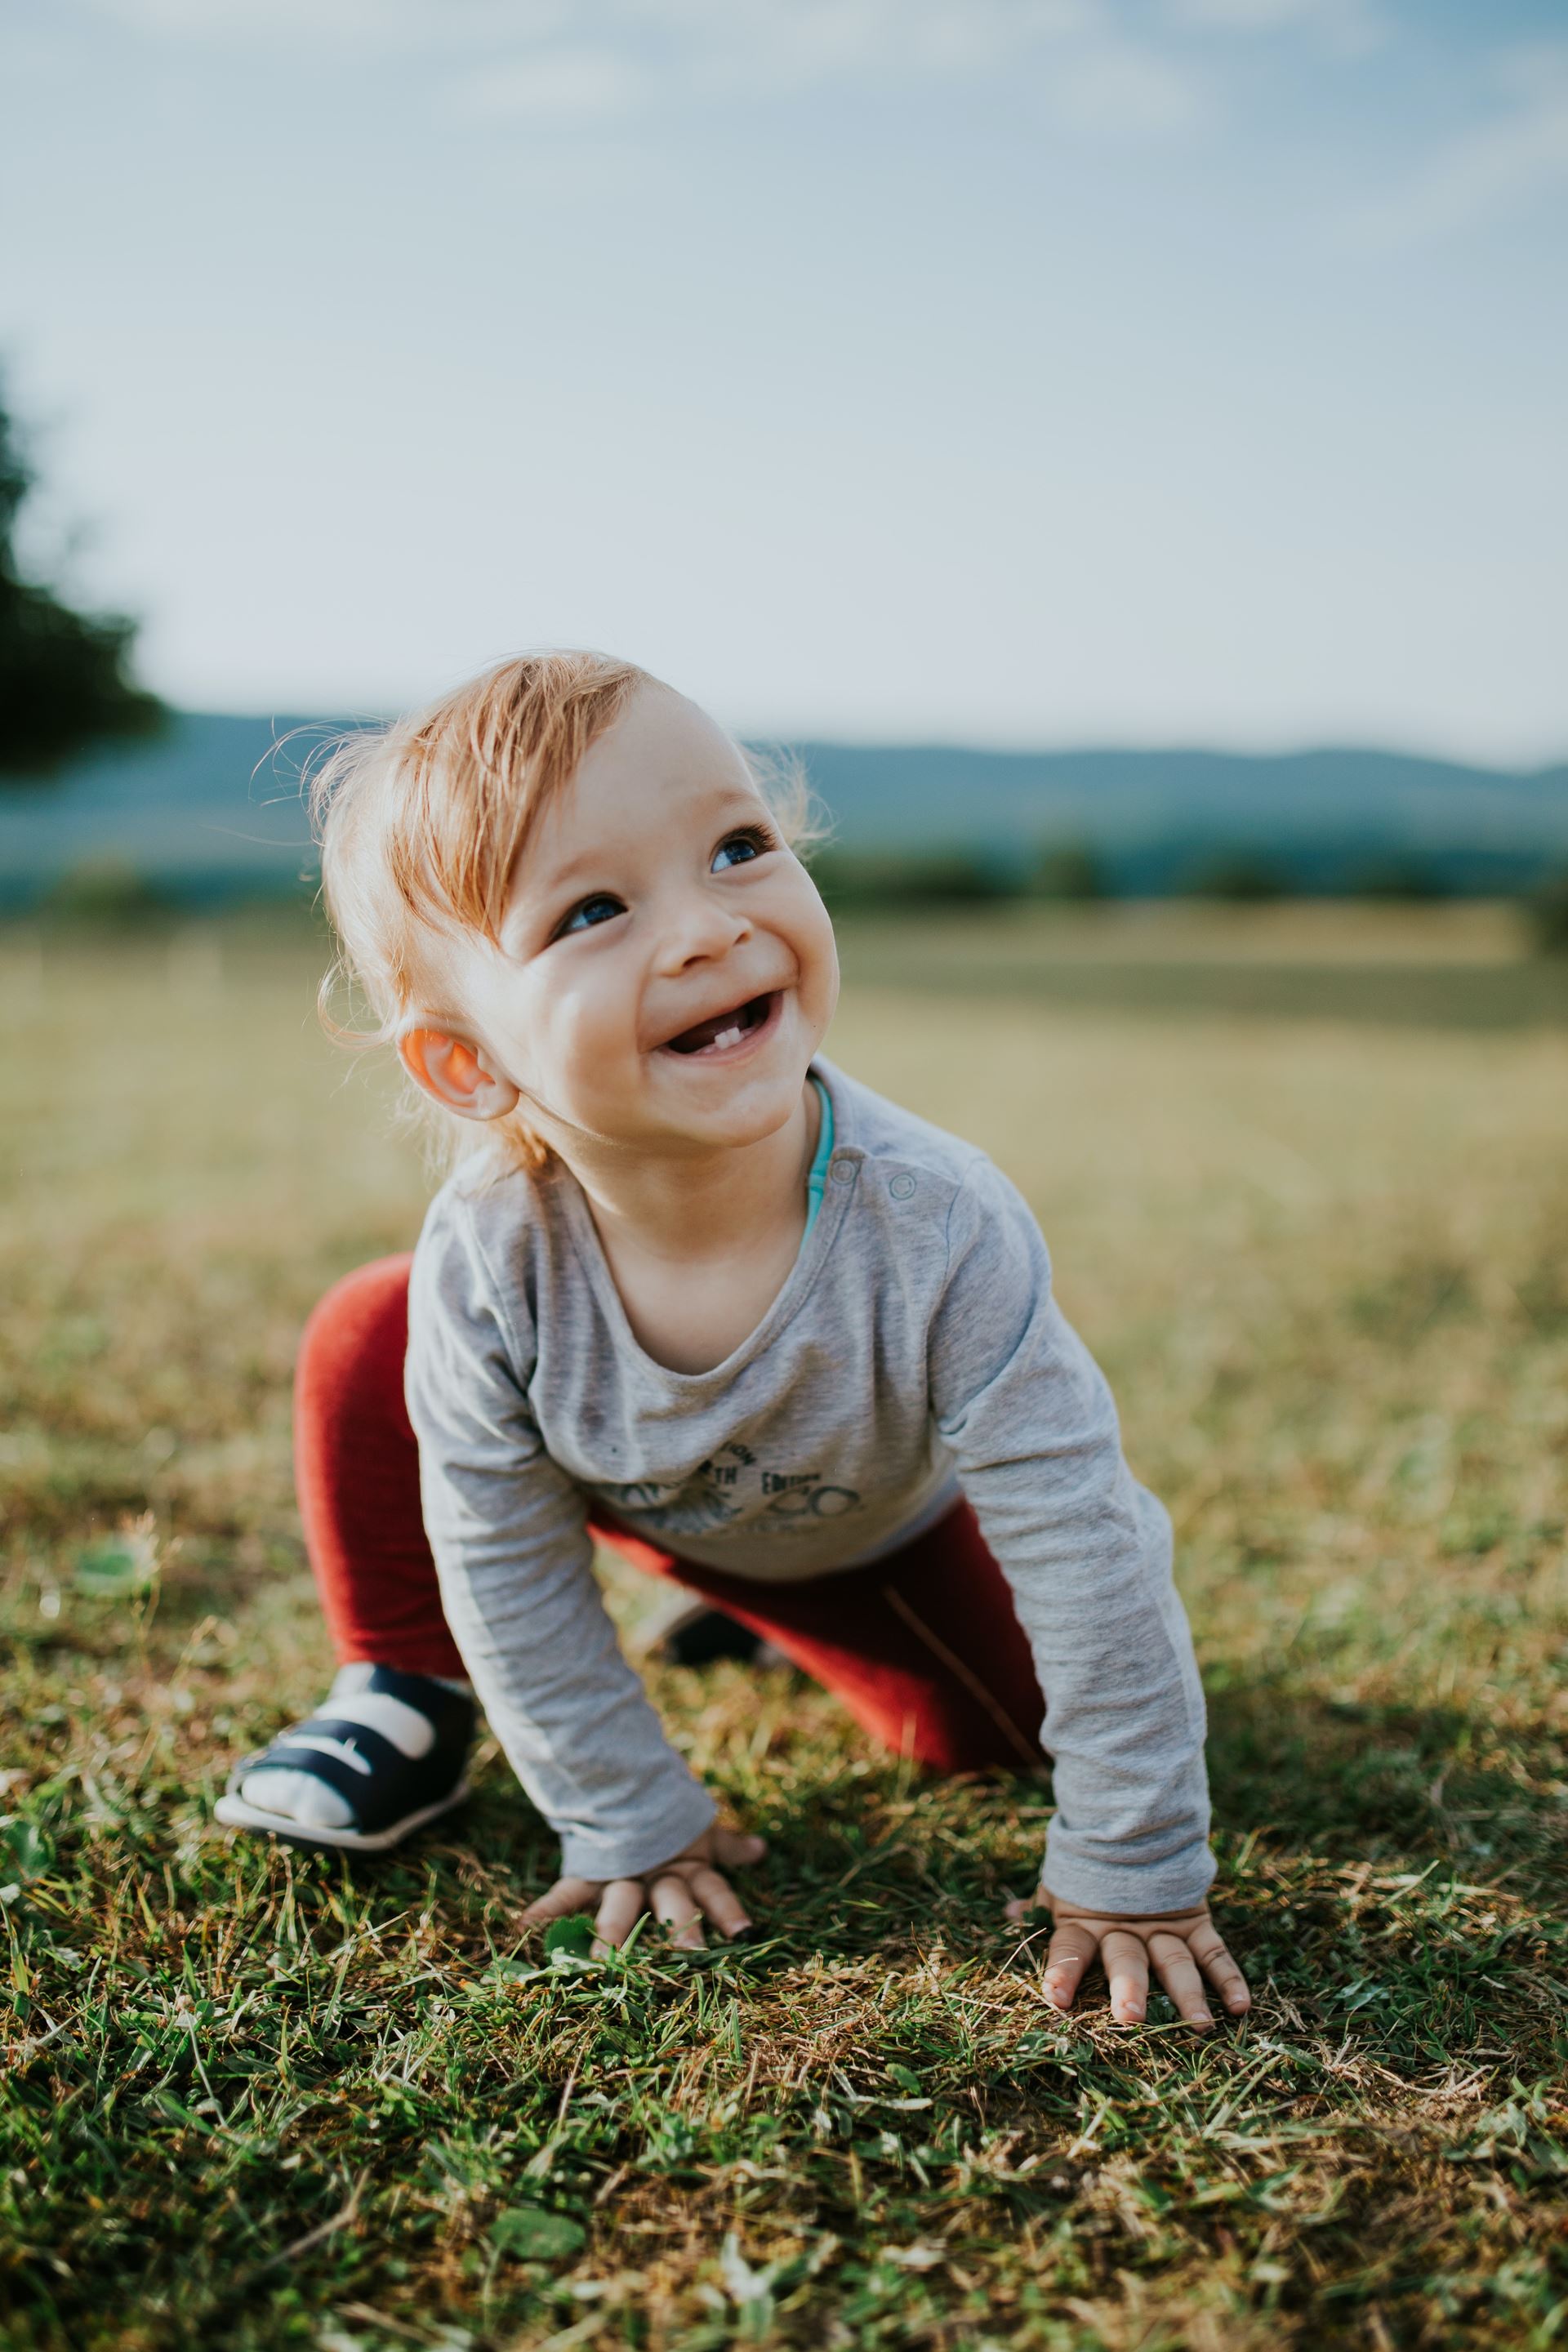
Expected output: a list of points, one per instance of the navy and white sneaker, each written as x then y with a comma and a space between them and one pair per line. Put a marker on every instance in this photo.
387, 1753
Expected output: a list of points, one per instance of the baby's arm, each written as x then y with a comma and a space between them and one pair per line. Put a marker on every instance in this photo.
1087, 1552
508, 1529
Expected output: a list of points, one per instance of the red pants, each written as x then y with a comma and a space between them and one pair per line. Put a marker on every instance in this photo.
923, 1646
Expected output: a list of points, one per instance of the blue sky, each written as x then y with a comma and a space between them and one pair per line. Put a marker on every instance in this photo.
1013, 371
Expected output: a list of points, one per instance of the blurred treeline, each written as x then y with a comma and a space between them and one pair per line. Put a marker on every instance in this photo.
858, 883
111, 894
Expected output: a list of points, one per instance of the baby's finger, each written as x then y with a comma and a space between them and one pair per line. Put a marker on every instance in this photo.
1178, 1972
1071, 1948
567, 1895
1126, 1965
1207, 1948
672, 1902
621, 1907
733, 1849
718, 1898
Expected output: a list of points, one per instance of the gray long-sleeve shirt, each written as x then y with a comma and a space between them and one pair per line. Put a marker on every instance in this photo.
915, 1352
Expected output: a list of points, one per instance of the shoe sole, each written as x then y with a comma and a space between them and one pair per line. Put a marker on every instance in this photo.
234, 1814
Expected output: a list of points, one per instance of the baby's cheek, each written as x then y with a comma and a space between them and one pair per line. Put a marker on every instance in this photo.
819, 972
589, 1041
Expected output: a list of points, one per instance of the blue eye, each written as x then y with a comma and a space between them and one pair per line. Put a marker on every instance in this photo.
600, 908
739, 848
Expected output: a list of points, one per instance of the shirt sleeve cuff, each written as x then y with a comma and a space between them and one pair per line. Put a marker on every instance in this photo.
1178, 1882
638, 1847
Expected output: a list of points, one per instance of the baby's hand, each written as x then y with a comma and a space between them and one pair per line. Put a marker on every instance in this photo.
1179, 1943
682, 1893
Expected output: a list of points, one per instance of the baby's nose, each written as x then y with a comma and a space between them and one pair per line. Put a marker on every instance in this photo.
700, 931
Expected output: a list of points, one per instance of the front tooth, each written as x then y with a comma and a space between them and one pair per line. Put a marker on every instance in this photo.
728, 1037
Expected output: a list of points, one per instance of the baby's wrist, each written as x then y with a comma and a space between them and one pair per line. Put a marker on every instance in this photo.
1098, 1882
1060, 1908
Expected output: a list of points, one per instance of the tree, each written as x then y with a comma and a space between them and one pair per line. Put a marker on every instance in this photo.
1239, 875
65, 677
1549, 912
1070, 870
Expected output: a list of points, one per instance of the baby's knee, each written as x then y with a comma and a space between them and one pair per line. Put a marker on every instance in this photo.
359, 1328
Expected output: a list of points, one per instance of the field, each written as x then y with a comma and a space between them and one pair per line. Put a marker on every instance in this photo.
257, 2099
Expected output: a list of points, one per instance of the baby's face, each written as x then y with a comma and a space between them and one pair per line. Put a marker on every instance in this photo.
667, 969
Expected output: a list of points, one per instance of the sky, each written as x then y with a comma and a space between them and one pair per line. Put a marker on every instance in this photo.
1015, 372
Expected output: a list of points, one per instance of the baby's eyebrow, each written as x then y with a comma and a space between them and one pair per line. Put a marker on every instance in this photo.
561, 877
538, 886
590, 862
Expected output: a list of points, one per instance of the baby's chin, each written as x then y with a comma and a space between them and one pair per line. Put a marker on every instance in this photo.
736, 1126
746, 1111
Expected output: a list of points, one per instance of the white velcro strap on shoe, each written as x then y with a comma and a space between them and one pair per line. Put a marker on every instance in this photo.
412, 1734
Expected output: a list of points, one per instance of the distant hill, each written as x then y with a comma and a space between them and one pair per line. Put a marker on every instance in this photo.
210, 810
1155, 819
213, 810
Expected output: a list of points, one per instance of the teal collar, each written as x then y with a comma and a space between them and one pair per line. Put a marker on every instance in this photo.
817, 1178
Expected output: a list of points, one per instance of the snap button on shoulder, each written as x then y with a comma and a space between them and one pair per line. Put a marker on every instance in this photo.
900, 1186
843, 1171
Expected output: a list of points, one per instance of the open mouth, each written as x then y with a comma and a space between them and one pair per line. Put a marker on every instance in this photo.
723, 1031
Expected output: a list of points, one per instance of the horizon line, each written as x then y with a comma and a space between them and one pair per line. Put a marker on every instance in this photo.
1017, 749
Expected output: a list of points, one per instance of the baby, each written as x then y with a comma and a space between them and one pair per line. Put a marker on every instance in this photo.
700, 1296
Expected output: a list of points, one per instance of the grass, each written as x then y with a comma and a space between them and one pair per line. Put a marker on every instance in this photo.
1467, 965
257, 2099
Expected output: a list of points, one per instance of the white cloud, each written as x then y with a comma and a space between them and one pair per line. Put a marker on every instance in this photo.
845, 32
1138, 69
1500, 165
1114, 88
586, 60
694, 52
381, 24
1133, 69
587, 85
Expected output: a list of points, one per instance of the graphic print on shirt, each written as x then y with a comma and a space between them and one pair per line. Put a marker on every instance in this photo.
731, 1484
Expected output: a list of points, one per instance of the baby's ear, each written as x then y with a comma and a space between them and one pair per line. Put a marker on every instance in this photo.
455, 1073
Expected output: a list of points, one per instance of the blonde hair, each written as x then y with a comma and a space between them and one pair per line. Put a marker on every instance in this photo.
422, 823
